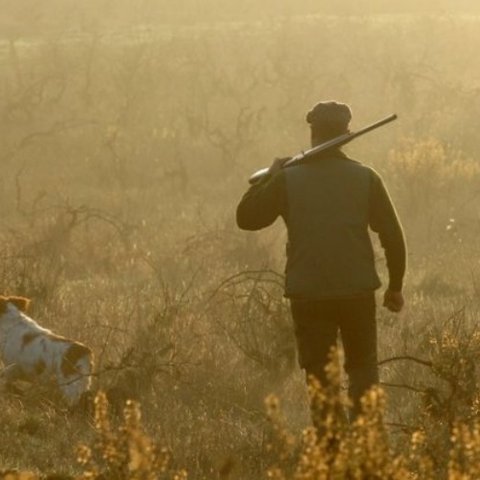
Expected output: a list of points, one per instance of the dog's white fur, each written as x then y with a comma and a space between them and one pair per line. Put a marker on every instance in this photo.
31, 352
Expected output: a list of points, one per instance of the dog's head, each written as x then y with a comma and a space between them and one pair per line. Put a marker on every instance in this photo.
21, 303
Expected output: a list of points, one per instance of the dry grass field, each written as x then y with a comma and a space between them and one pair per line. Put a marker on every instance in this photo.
124, 150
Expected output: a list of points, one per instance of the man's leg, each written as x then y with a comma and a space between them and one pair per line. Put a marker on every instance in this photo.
358, 329
316, 329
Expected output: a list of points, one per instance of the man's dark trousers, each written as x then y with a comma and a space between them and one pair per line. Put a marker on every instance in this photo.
317, 324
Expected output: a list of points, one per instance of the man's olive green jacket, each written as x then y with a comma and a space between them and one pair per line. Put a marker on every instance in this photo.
328, 206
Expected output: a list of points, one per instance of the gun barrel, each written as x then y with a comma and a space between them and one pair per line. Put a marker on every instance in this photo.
335, 142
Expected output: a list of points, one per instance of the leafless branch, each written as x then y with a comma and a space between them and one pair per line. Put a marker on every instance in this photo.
425, 363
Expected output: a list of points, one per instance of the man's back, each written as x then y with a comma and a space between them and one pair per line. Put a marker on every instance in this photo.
329, 251
328, 206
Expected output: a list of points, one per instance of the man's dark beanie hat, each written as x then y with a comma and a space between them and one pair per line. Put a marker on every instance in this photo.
333, 115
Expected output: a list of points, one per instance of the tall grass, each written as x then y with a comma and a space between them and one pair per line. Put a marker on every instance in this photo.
123, 157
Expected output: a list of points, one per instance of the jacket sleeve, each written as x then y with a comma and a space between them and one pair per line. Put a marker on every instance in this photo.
262, 203
384, 220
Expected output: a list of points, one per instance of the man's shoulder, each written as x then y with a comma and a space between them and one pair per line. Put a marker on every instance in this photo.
277, 180
361, 168
365, 168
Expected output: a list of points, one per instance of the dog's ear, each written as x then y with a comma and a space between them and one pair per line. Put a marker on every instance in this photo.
21, 303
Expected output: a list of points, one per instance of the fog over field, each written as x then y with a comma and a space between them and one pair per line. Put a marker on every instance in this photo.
128, 133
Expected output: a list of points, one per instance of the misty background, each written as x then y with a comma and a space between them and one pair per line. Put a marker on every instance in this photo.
128, 133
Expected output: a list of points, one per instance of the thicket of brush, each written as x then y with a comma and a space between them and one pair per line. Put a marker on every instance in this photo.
123, 156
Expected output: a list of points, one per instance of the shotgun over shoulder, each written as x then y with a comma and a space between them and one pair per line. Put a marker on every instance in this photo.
335, 142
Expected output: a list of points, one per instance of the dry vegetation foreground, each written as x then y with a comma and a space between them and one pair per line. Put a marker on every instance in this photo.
123, 157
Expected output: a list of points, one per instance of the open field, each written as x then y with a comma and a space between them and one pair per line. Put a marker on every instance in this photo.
124, 153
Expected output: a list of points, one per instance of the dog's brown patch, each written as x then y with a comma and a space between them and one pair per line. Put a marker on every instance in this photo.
21, 303
28, 337
70, 358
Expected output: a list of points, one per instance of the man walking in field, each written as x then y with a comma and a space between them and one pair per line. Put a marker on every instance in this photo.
327, 205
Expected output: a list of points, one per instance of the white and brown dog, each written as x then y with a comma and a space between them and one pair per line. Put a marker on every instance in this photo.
31, 352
